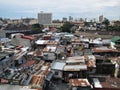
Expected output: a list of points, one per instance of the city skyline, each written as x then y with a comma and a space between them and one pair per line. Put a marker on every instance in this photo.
64, 8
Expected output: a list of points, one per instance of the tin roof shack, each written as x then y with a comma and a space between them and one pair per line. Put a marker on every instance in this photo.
36, 55
79, 84
49, 53
20, 57
77, 44
106, 42
85, 42
41, 43
107, 84
61, 52
6, 61
91, 64
57, 67
38, 80
47, 37
105, 51
105, 67
75, 68
116, 61
24, 40
95, 42
115, 42
80, 43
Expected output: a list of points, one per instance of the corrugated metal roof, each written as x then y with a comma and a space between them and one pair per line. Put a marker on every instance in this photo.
75, 67
76, 59
58, 65
79, 82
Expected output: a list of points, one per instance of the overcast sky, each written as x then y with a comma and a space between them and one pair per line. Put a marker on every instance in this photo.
60, 8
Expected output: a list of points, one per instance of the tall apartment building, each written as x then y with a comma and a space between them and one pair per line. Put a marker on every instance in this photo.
44, 18
101, 18
70, 18
64, 19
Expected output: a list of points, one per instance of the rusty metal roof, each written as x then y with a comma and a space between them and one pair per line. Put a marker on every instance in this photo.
76, 59
75, 67
110, 83
79, 82
104, 49
50, 49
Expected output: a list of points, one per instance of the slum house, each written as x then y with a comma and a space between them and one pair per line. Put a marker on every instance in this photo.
57, 68
6, 62
47, 37
40, 44
106, 42
116, 61
80, 43
95, 42
39, 77
80, 66
36, 55
91, 64
20, 57
61, 52
22, 75
105, 51
102, 62
75, 67
105, 83
79, 84
49, 52
77, 44
23, 40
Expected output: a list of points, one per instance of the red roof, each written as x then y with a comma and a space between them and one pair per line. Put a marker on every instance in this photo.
28, 63
28, 37
18, 47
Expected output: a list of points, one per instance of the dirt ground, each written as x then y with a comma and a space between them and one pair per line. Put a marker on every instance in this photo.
98, 34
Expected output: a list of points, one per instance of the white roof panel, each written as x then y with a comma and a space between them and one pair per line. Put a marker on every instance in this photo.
58, 65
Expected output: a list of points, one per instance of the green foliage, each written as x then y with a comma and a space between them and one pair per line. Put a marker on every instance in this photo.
106, 22
113, 28
67, 27
36, 26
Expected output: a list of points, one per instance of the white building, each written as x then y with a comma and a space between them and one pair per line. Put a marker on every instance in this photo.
45, 18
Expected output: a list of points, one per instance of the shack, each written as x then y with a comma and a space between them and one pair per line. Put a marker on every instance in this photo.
79, 84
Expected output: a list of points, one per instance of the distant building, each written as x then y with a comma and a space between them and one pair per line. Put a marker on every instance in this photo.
64, 19
101, 18
70, 18
45, 18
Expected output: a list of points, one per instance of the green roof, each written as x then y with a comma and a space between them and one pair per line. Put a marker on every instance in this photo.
115, 38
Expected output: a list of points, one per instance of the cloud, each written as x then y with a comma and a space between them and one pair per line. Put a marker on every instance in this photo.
60, 6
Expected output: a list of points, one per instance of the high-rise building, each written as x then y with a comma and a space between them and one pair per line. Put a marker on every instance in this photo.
70, 18
64, 19
101, 18
44, 18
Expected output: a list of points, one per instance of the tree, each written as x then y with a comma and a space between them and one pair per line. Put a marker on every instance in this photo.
106, 22
37, 27
67, 27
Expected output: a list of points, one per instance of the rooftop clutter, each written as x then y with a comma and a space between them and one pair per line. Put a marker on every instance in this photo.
41, 61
